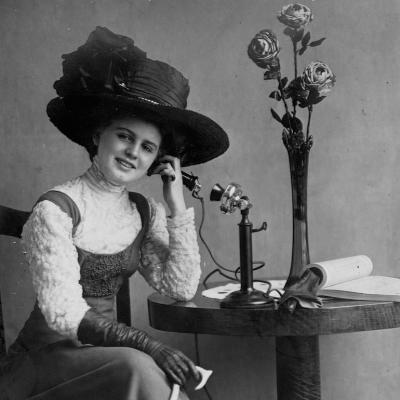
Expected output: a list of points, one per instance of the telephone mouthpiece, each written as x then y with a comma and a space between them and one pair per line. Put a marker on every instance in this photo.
216, 192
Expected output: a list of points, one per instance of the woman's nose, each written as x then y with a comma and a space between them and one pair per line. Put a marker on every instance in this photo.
132, 150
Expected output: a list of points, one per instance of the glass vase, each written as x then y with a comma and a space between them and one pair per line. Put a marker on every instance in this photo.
298, 149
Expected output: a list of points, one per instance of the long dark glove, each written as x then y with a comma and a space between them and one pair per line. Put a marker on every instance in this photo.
303, 292
101, 331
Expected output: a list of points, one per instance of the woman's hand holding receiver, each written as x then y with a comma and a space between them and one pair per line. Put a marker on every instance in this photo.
170, 171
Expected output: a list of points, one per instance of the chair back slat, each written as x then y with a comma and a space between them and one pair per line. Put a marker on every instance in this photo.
12, 221
124, 304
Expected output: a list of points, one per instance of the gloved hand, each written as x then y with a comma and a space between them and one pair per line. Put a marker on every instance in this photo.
174, 363
101, 331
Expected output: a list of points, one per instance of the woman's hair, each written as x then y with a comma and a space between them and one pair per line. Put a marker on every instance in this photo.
101, 118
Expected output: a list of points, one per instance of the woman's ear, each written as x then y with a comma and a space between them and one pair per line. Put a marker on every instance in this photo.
96, 138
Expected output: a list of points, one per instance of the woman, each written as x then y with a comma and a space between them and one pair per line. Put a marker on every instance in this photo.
86, 236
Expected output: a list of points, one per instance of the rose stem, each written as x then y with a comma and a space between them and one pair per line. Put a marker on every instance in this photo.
310, 108
284, 101
295, 71
295, 57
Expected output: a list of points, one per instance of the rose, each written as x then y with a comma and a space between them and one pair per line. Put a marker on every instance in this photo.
264, 48
314, 85
295, 16
318, 78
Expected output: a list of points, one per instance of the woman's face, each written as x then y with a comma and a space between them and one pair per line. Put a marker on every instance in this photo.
126, 149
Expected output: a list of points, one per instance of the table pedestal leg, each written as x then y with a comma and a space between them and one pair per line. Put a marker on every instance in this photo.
297, 368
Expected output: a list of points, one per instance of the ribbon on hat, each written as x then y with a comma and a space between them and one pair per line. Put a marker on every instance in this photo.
98, 64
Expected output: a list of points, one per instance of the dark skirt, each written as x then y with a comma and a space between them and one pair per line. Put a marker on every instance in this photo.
65, 371
42, 365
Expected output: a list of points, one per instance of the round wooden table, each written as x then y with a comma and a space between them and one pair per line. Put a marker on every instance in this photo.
296, 334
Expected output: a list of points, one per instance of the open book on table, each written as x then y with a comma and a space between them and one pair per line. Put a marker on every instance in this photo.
350, 278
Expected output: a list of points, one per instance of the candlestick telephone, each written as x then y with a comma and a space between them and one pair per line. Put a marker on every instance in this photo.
231, 198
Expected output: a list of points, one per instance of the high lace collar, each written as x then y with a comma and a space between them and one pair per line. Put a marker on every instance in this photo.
99, 182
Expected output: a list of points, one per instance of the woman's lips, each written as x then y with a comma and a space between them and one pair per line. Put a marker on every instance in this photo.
125, 163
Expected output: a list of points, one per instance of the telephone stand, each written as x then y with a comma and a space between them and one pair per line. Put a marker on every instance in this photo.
247, 296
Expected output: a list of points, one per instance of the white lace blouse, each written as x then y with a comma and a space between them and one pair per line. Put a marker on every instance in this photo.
170, 260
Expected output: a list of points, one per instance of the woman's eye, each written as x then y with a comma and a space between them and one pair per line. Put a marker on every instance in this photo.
148, 148
123, 136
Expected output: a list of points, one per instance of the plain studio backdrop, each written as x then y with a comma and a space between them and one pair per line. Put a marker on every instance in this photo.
354, 191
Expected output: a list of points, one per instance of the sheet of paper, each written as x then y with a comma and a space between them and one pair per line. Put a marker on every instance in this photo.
220, 292
371, 285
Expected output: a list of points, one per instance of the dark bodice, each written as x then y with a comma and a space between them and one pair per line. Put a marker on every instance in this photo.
103, 274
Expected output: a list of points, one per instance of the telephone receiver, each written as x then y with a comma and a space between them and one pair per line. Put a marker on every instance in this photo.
189, 180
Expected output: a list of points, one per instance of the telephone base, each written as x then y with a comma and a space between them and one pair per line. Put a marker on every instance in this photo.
250, 298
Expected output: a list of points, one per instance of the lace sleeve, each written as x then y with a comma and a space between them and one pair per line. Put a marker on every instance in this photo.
170, 259
53, 263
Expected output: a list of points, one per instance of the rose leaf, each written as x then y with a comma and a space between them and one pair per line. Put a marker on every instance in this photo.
288, 31
275, 95
306, 39
295, 34
303, 103
317, 100
284, 82
286, 120
293, 123
271, 74
275, 115
317, 42
298, 35
302, 50
288, 92
297, 125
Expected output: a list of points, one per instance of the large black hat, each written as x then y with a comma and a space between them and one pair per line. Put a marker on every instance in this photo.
109, 73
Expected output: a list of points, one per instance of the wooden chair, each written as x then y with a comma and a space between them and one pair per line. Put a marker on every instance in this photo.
11, 224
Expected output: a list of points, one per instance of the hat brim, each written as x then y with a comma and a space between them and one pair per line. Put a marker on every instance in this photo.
205, 139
